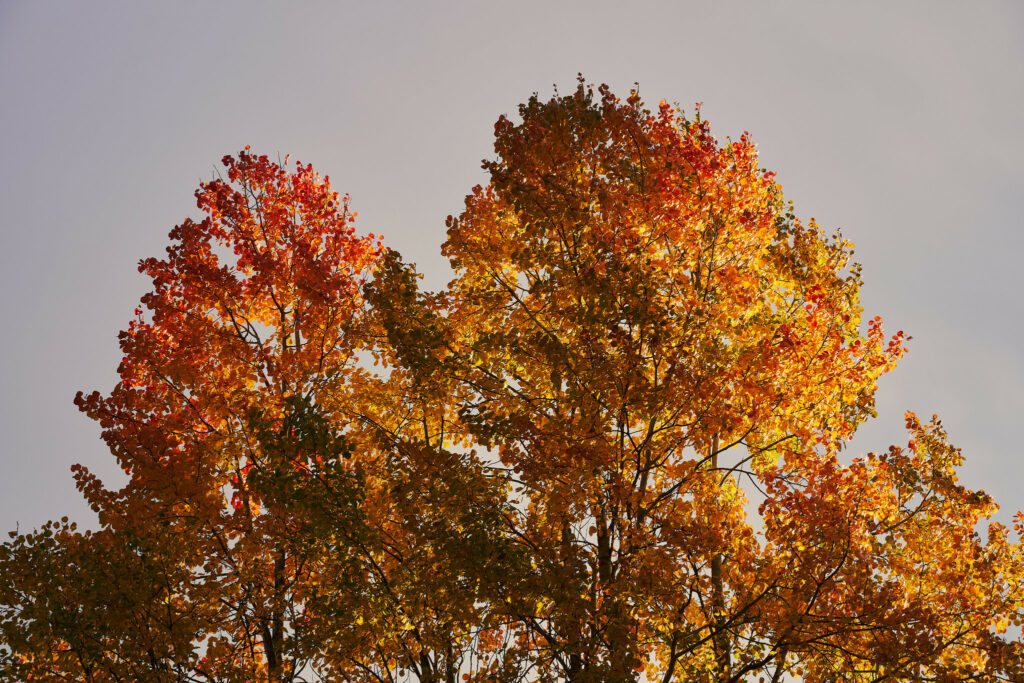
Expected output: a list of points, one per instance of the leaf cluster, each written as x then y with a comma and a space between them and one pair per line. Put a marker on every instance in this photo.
610, 450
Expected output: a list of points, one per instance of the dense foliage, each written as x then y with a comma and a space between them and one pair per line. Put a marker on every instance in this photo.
608, 451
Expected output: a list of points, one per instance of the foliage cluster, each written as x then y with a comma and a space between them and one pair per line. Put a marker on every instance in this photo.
548, 472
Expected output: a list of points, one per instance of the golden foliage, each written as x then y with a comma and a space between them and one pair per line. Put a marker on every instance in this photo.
550, 470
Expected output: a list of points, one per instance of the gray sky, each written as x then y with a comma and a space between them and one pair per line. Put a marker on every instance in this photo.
898, 122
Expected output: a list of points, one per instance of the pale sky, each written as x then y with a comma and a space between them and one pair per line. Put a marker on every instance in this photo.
899, 122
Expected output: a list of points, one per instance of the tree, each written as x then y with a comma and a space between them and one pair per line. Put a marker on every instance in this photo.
547, 471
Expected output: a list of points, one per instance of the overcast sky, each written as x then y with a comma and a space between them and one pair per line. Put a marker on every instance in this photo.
899, 122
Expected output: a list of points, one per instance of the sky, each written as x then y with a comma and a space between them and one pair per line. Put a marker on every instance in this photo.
899, 123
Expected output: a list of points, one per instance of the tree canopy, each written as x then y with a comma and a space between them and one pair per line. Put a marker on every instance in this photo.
610, 450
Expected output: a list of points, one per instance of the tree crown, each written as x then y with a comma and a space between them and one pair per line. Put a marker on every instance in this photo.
608, 451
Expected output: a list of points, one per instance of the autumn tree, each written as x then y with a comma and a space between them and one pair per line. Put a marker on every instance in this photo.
267, 466
611, 450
